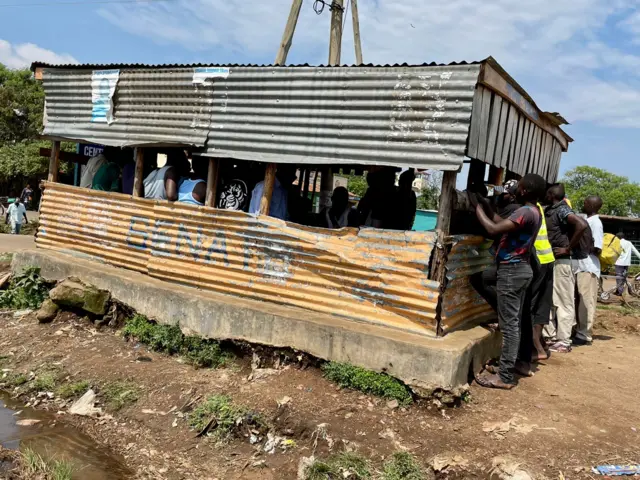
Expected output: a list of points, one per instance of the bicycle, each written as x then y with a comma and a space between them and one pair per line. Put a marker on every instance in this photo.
633, 287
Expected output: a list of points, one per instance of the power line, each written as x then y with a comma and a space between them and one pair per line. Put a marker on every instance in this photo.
77, 2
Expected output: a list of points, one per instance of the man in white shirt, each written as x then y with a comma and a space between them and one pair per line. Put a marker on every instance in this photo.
15, 214
588, 273
624, 262
91, 168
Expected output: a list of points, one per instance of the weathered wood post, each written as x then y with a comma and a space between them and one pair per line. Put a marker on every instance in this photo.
54, 161
138, 178
212, 182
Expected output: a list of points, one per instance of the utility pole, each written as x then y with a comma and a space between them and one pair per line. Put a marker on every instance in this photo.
356, 31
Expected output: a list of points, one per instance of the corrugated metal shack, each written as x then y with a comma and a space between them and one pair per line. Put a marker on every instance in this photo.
423, 116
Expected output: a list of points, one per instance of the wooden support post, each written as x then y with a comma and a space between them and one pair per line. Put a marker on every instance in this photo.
138, 178
212, 182
315, 183
477, 171
496, 175
54, 161
289, 30
326, 187
267, 190
356, 31
307, 178
445, 211
335, 35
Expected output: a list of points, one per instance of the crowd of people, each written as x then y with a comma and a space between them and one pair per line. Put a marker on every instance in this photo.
241, 185
544, 283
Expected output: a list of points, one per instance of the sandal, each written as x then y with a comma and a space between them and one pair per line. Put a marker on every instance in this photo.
493, 381
560, 348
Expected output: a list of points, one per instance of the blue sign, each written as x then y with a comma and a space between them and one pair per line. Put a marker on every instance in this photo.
89, 149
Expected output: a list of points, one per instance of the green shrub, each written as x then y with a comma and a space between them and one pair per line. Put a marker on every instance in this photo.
341, 465
169, 339
26, 290
379, 384
73, 390
120, 394
403, 466
229, 417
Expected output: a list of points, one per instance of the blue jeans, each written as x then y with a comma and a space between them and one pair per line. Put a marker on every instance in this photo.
15, 228
513, 281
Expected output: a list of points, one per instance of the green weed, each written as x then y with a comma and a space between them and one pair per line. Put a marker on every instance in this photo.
379, 384
26, 290
73, 390
169, 339
16, 379
44, 382
228, 417
120, 394
35, 466
341, 465
403, 466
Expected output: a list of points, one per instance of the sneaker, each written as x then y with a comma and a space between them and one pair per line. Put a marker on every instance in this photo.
559, 347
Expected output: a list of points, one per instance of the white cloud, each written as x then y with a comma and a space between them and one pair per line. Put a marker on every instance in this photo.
22, 55
556, 49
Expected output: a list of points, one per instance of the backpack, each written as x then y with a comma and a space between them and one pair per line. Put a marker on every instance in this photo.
611, 250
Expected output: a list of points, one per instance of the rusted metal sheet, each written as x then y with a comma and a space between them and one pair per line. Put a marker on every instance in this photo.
461, 303
151, 106
368, 275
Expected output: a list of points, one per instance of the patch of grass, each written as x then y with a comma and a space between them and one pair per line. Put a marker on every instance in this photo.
120, 394
341, 465
26, 290
6, 257
73, 390
44, 382
403, 466
16, 379
356, 378
169, 339
229, 417
35, 466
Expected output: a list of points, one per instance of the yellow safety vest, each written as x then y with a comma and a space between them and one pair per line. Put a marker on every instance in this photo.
543, 247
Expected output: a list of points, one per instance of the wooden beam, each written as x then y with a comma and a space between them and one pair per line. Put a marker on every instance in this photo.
138, 178
356, 31
267, 190
289, 30
307, 178
335, 35
212, 182
66, 156
54, 161
445, 211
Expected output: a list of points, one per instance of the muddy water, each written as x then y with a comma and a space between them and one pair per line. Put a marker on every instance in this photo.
53, 439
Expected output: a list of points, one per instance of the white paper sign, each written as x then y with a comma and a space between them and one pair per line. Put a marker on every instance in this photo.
205, 75
103, 86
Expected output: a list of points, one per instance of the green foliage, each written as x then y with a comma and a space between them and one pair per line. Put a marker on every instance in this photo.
16, 380
357, 184
403, 466
21, 105
120, 394
366, 381
36, 466
619, 196
430, 193
169, 339
44, 382
229, 417
26, 290
73, 390
341, 465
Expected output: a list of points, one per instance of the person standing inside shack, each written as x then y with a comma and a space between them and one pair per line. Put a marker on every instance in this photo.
517, 236
15, 214
193, 189
624, 262
162, 183
279, 207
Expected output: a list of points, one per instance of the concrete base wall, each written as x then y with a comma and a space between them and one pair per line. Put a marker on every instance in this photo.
417, 360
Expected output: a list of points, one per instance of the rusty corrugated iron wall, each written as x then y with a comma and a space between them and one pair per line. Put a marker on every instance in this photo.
369, 275
461, 303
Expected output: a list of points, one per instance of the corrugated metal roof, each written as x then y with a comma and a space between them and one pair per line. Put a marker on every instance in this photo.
367, 275
151, 107
404, 116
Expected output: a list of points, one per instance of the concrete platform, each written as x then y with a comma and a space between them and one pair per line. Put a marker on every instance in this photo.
417, 360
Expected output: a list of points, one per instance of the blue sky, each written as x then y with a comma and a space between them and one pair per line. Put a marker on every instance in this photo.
577, 57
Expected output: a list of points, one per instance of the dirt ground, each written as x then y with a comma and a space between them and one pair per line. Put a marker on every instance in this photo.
579, 410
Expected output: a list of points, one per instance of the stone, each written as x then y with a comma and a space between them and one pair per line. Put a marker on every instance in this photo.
47, 312
73, 293
85, 405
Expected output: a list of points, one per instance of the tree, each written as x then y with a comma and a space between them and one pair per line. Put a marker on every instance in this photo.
21, 105
357, 185
619, 196
430, 193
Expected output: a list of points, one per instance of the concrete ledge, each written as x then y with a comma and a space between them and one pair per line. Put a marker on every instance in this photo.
417, 360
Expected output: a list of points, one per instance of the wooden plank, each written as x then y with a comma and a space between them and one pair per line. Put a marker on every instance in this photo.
289, 30
267, 190
546, 150
445, 212
527, 148
511, 121
212, 182
500, 140
335, 34
517, 145
138, 176
544, 170
522, 161
496, 110
54, 161
474, 130
356, 31
484, 125
535, 146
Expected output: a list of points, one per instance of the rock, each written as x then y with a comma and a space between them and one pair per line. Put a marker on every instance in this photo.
393, 404
27, 422
47, 312
85, 405
505, 468
75, 294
